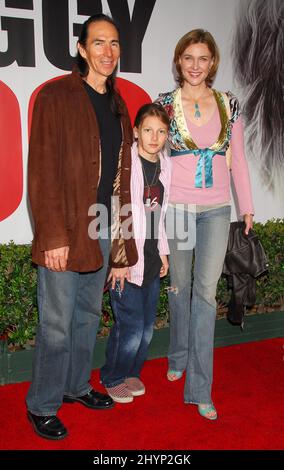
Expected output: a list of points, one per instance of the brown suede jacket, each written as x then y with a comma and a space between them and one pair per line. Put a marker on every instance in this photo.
64, 173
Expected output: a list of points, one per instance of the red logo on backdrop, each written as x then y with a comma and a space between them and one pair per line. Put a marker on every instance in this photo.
133, 95
11, 164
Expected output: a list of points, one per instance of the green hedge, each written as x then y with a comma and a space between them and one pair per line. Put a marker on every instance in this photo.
18, 311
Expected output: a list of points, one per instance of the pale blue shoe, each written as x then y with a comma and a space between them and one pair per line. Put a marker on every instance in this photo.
208, 411
173, 375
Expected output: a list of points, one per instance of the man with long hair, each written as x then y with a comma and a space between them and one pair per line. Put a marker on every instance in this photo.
80, 155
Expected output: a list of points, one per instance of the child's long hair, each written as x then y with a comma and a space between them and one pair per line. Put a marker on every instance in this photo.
152, 109
258, 58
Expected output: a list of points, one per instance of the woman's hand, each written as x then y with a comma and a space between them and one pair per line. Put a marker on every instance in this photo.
164, 269
248, 220
118, 274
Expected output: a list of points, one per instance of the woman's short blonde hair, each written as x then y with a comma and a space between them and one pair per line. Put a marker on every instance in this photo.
194, 37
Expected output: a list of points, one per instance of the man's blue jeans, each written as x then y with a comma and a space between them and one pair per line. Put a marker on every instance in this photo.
135, 310
192, 302
69, 306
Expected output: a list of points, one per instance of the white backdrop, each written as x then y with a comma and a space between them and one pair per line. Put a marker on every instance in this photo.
169, 21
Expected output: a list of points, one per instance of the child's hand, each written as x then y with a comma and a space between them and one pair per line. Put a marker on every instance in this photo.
118, 274
164, 269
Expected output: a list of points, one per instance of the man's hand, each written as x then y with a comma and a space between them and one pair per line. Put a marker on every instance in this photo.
119, 274
56, 260
164, 269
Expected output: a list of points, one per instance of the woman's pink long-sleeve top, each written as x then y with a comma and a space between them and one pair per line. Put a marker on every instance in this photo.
183, 188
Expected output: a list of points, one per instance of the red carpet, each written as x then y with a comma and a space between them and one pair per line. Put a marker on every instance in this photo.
248, 393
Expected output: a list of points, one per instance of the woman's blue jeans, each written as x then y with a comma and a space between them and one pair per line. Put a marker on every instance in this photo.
135, 310
192, 295
69, 306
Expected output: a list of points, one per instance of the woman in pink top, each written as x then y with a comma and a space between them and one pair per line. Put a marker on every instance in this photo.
206, 140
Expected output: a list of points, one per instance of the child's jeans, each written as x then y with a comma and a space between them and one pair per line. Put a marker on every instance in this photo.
134, 309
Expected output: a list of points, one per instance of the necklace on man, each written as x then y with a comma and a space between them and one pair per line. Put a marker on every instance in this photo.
153, 182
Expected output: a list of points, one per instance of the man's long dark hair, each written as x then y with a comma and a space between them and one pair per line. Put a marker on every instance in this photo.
82, 64
258, 51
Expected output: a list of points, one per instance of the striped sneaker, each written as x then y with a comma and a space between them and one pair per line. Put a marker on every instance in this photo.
135, 386
120, 393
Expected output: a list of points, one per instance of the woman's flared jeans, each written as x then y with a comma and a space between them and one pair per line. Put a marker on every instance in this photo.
192, 298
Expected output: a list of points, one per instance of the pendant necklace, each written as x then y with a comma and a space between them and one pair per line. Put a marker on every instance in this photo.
197, 113
153, 182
